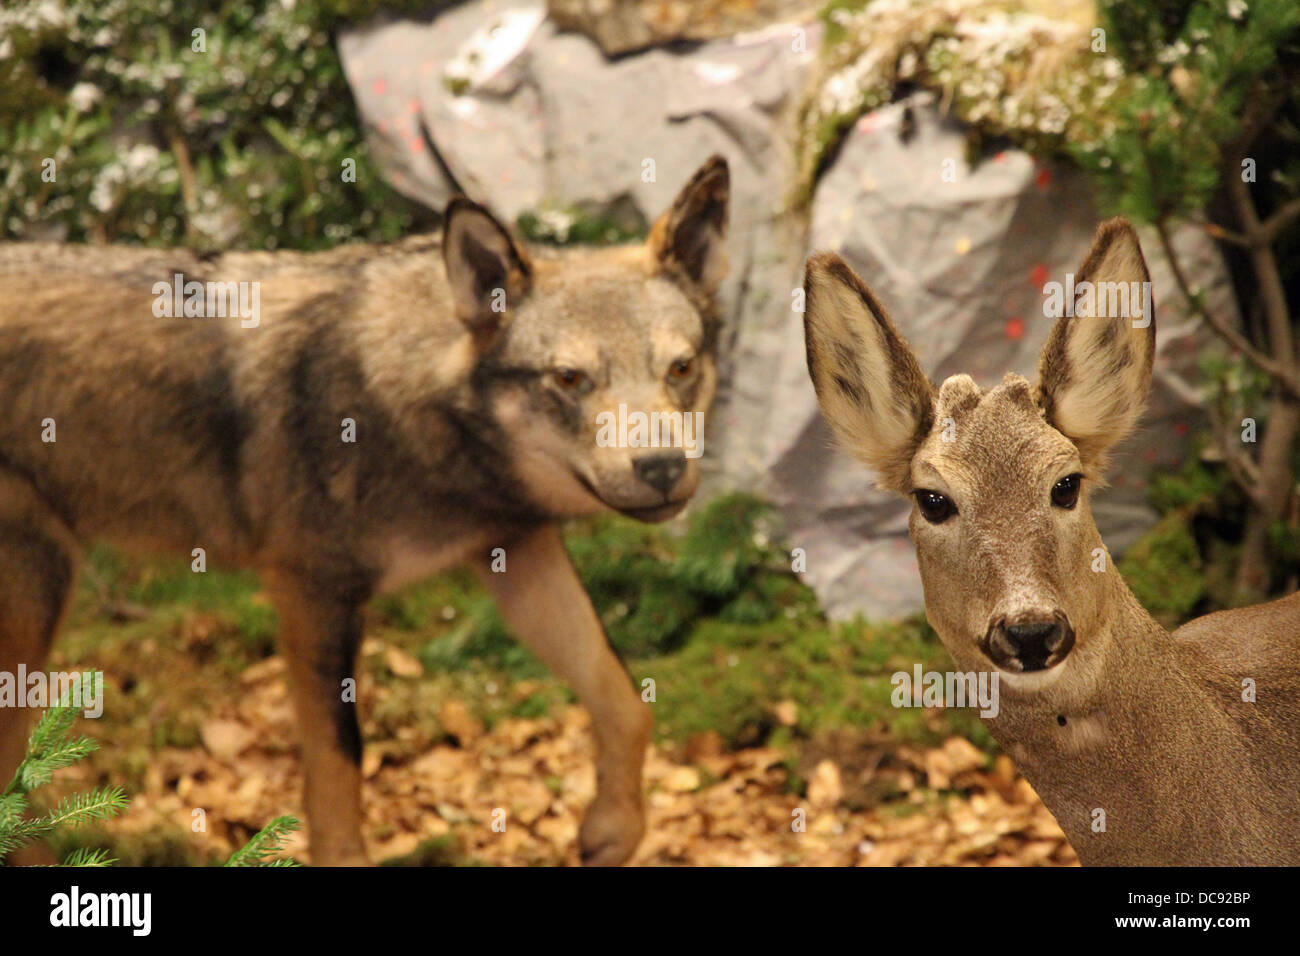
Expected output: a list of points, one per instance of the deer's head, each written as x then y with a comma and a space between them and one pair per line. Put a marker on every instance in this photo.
1000, 479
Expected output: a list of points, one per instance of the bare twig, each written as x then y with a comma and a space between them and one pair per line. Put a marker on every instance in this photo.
189, 191
1276, 315
1244, 472
1215, 231
1272, 226
1280, 373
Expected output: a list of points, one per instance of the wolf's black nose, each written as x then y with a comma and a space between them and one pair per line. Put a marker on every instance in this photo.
660, 470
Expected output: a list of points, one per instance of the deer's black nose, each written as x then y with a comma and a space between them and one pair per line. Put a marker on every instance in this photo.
661, 470
1030, 645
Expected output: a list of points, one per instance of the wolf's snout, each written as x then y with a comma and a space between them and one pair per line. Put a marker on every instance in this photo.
1029, 642
661, 470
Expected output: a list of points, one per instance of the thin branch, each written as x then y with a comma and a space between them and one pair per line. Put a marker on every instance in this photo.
1272, 227
1284, 376
189, 191
1271, 293
1243, 468
1259, 114
1215, 231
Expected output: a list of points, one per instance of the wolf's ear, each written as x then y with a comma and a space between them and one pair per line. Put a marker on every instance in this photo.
1095, 370
487, 271
689, 240
870, 385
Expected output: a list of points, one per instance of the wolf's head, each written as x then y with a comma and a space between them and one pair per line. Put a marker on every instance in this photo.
598, 363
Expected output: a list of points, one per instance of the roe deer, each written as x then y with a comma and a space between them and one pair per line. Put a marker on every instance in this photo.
1147, 746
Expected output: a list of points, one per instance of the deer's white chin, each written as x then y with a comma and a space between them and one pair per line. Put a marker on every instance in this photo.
1033, 681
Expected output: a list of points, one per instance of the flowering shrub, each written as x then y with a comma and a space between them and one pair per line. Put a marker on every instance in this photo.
168, 121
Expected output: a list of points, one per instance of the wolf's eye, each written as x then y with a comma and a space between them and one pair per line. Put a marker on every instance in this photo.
569, 379
935, 508
1065, 493
681, 370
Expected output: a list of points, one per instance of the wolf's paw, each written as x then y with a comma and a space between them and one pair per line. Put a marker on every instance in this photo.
611, 830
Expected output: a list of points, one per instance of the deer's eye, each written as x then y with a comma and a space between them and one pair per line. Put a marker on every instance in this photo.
569, 379
1065, 493
681, 370
935, 508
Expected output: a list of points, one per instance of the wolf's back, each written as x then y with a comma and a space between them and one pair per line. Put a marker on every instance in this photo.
109, 413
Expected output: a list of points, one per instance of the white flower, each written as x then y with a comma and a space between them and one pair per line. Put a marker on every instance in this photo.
84, 96
1236, 9
103, 194
140, 160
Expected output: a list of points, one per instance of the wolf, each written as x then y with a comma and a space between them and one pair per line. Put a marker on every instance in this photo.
366, 417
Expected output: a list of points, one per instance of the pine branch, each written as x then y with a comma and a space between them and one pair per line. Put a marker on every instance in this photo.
55, 724
48, 750
12, 807
19, 833
85, 856
83, 807
265, 843
36, 771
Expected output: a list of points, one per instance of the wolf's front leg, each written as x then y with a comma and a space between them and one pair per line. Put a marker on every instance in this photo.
544, 604
320, 630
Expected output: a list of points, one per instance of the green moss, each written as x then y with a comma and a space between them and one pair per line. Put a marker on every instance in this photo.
1163, 569
728, 677
1193, 486
559, 224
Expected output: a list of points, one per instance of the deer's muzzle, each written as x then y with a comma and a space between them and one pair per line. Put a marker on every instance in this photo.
1029, 642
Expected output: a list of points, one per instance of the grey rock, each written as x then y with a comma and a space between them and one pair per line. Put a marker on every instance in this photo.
499, 103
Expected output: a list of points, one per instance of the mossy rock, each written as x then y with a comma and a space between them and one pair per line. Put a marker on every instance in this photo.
1163, 569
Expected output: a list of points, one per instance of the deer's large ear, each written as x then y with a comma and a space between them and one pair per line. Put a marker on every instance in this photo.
487, 271
689, 240
870, 385
1095, 370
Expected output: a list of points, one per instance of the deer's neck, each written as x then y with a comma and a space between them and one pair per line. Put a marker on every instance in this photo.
1125, 730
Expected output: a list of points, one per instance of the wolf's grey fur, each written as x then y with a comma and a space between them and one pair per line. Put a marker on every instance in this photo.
471, 371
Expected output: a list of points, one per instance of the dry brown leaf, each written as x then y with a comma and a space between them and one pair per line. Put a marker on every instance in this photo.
225, 739
706, 745
786, 713
402, 664
825, 789
682, 780
263, 670
459, 722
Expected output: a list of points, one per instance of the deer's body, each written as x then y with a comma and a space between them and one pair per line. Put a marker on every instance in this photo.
1149, 747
